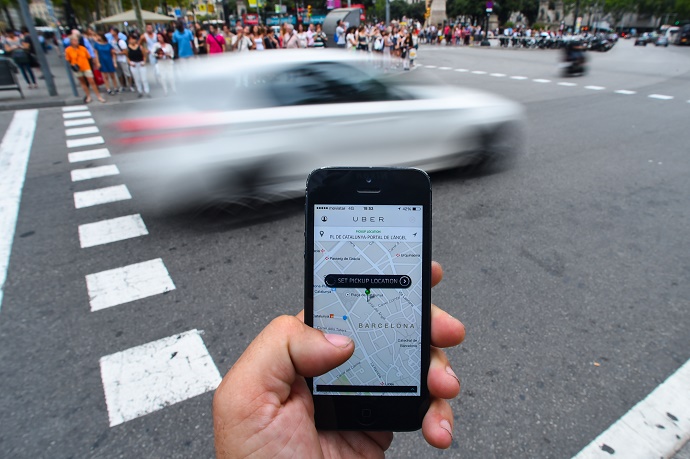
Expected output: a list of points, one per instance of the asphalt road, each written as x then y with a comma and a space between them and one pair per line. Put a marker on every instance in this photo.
570, 271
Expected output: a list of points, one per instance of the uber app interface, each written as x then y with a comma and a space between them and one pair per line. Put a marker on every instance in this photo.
368, 286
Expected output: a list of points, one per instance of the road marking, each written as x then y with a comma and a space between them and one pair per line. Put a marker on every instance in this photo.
479, 72
541, 80
94, 172
498, 75
79, 122
660, 97
129, 283
147, 378
444, 68
87, 155
465, 70
75, 108
430, 66
83, 142
625, 92
565, 83
101, 196
69, 116
656, 427
81, 131
113, 230
517, 77
595, 88
14, 158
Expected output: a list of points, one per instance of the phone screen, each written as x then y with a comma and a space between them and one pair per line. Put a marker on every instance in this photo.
368, 286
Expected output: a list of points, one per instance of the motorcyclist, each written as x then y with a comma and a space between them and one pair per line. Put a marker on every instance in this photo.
574, 55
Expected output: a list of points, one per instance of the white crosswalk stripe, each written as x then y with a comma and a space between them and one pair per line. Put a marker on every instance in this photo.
88, 155
75, 108
113, 230
81, 131
147, 378
101, 196
129, 283
79, 122
72, 115
85, 141
94, 172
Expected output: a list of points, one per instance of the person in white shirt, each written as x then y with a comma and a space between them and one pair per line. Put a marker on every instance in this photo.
310, 36
340, 34
148, 40
242, 42
290, 39
123, 72
164, 54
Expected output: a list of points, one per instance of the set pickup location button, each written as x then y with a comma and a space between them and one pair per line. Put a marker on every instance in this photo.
367, 281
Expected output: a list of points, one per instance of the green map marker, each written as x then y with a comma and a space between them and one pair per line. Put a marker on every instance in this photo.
367, 292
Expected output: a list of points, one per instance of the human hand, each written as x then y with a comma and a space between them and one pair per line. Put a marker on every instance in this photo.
264, 407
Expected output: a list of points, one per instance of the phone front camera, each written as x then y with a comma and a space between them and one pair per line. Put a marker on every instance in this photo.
368, 179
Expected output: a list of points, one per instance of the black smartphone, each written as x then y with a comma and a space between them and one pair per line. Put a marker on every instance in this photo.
368, 276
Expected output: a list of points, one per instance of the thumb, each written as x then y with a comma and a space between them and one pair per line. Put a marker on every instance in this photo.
284, 350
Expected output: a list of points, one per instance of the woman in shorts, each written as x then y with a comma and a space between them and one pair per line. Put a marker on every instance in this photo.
78, 58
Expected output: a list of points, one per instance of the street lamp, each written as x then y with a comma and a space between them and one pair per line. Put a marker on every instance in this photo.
489, 10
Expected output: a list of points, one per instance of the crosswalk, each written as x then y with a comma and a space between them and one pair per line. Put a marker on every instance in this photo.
149, 377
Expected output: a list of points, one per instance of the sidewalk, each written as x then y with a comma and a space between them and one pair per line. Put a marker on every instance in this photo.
39, 98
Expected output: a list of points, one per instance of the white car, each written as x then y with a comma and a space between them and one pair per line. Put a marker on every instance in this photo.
253, 126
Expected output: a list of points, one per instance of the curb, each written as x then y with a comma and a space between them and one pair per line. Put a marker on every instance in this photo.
29, 104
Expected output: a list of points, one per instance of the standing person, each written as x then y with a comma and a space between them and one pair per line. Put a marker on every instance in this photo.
351, 39
228, 36
290, 39
200, 42
310, 36
340, 35
302, 39
362, 39
320, 37
164, 60
137, 65
148, 40
269, 39
405, 46
78, 58
242, 42
184, 40
387, 46
215, 43
122, 67
257, 37
106, 60
18, 50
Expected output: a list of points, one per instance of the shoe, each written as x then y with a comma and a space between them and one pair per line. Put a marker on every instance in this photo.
140, 95
121, 90
131, 88
109, 92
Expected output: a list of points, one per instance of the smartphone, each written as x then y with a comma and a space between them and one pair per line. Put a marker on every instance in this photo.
368, 276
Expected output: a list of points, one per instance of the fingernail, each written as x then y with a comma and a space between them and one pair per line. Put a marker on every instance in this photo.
450, 371
338, 340
445, 425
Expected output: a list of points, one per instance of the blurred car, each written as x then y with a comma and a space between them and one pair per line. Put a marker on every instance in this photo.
661, 40
644, 39
253, 126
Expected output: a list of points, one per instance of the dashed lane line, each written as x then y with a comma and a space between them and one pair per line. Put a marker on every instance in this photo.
81, 131
150, 377
14, 158
462, 70
444, 68
497, 75
660, 97
112, 230
85, 141
101, 196
595, 88
518, 77
79, 122
89, 173
88, 155
430, 66
567, 83
72, 115
128, 283
625, 92
541, 80
657, 426
479, 72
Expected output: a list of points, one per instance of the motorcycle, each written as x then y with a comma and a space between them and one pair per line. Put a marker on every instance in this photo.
574, 60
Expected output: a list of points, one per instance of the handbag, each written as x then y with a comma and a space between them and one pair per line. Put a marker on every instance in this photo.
98, 77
